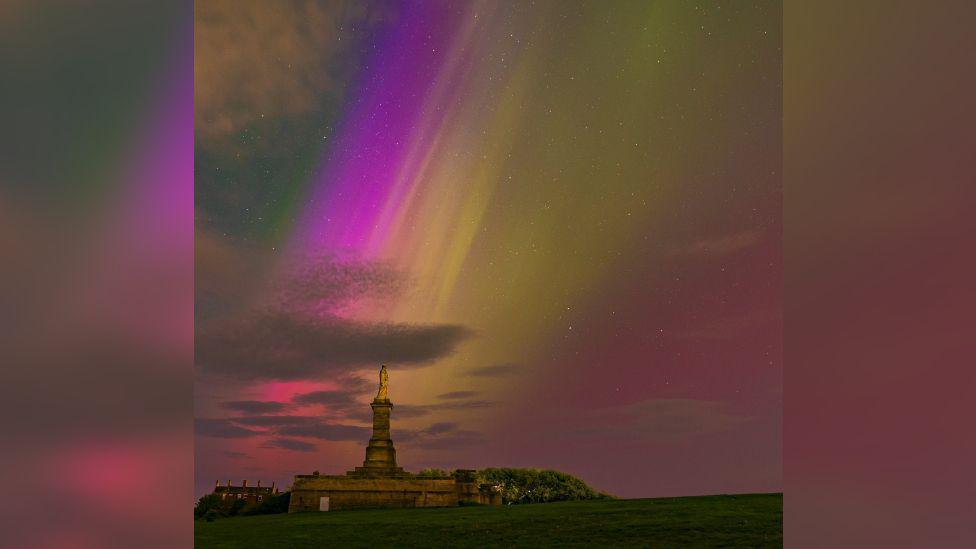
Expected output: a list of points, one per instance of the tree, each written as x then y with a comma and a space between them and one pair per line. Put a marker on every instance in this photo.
537, 485
210, 503
433, 473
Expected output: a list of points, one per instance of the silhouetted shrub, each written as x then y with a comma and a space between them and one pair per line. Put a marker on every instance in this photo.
272, 505
210, 503
537, 485
433, 473
237, 507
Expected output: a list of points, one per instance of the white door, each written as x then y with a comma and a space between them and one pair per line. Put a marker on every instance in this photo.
324, 503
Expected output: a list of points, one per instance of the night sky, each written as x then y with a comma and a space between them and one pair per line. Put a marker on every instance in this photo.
559, 224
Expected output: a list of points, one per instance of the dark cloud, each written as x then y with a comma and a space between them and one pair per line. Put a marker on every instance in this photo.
297, 331
339, 399
289, 444
439, 428
221, 428
235, 455
495, 370
321, 284
355, 384
438, 436
273, 421
405, 411
454, 439
341, 403
457, 394
461, 405
326, 431
288, 346
254, 406
360, 413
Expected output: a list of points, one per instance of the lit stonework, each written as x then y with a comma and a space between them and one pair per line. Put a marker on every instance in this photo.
380, 482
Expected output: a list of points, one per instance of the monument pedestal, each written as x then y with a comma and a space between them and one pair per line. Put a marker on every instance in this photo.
380, 454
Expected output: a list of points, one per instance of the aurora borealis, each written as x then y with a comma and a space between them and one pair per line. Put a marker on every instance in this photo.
559, 225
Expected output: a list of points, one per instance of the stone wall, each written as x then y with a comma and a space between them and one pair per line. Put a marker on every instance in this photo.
472, 493
346, 492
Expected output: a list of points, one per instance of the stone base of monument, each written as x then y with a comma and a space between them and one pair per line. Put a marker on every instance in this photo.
348, 492
381, 483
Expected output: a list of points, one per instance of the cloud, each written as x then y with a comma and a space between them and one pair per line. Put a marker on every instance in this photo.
254, 406
326, 431
339, 399
455, 439
289, 444
221, 428
229, 273
273, 421
723, 245
355, 384
439, 428
234, 455
323, 284
360, 411
404, 411
438, 436
496, 370
297, 330
258, 60
461, 405
288, 346
457, 394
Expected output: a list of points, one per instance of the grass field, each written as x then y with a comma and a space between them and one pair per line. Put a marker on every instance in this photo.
753, 520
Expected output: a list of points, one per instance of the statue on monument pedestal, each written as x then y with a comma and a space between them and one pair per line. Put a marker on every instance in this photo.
383, 393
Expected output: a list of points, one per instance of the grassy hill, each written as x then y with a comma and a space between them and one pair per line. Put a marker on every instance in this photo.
751, 520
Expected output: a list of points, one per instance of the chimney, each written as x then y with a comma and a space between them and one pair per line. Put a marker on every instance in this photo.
245, 484
229, 484
218, 484
259, 483
275, 490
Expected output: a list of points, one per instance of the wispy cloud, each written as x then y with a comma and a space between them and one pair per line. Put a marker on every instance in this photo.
254, 406
438, 436
457, 394
495, 370
222, 428
338, 399
265, 60
287, 346
326, 431
300, 332
273, 421
289, 444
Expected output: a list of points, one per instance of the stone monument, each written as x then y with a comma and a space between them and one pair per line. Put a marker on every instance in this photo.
380, 453
380, 482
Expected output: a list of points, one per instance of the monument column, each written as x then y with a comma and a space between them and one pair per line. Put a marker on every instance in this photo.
380, 454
